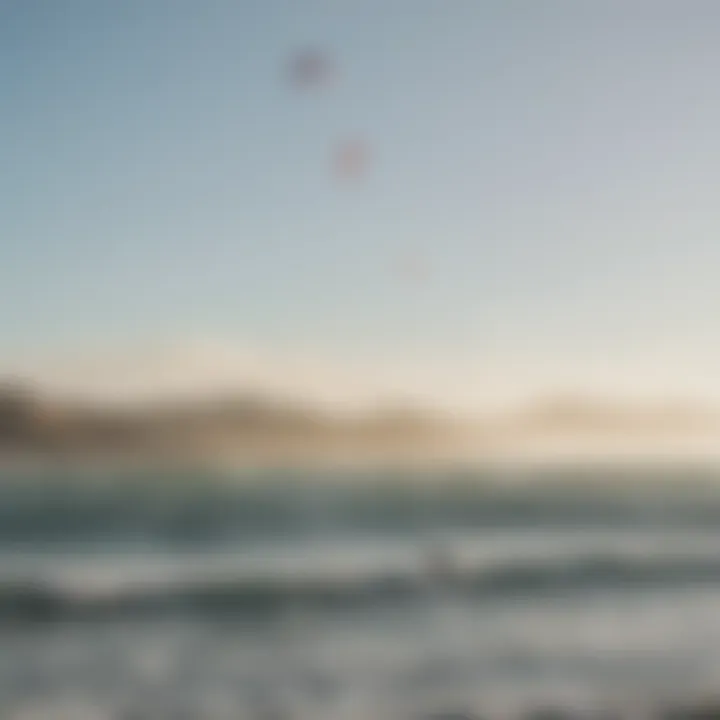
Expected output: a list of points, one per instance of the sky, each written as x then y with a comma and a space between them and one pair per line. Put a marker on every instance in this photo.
552, 166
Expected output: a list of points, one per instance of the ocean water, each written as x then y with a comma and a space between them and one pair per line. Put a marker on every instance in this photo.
376, 595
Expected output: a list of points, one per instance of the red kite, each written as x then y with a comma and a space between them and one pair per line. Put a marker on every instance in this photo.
351, 159
309, 68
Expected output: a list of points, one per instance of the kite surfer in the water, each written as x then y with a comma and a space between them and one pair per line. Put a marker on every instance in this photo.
440, 566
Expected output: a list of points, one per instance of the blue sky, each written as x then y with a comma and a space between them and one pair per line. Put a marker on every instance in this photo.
555, 165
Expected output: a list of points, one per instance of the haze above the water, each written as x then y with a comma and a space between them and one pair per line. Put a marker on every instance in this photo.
196, 369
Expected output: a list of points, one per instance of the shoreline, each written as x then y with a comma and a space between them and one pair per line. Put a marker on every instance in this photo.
514, 465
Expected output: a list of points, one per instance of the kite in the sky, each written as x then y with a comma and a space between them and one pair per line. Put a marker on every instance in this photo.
309, 68
413, 268
351, 159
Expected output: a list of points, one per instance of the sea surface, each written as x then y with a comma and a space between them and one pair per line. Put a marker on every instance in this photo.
357, 595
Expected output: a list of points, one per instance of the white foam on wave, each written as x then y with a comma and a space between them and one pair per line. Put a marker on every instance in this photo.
352, 560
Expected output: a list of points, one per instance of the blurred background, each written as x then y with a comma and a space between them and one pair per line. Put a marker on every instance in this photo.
359, 359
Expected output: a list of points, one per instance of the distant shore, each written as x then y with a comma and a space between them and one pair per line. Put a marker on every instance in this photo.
249, 431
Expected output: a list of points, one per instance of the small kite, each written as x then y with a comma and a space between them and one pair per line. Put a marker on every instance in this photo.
350, 159
413, 268
309, 68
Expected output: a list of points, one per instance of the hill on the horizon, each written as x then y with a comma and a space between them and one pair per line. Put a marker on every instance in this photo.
250, 424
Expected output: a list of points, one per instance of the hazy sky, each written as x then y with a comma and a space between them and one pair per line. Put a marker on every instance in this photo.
556, 165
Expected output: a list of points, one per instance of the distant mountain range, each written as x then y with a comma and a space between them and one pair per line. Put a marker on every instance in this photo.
240, 423
259, 427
